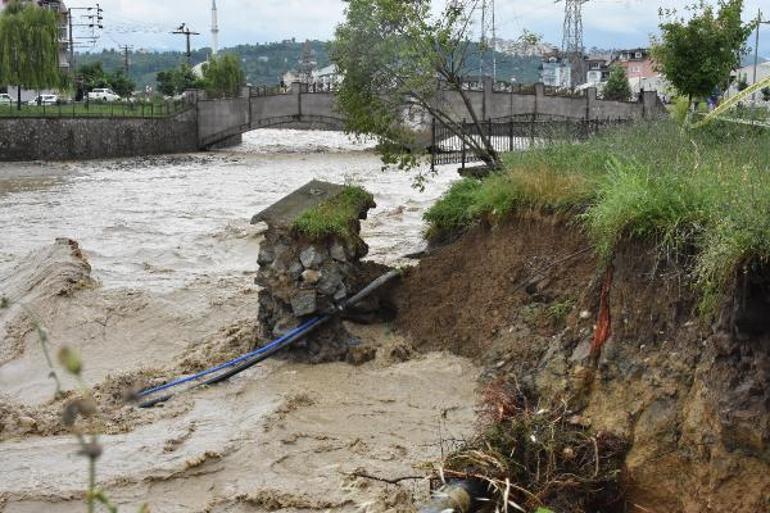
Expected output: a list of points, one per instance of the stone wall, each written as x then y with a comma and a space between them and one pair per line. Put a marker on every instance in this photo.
84, 138
302, 278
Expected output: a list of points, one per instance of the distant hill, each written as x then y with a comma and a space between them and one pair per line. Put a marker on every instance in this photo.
748, 60
264, 64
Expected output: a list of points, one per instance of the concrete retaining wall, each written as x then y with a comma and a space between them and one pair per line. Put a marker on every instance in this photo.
489, 104
83, 138
220, 119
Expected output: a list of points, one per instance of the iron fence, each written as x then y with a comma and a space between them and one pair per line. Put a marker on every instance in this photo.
138, 109
517, 133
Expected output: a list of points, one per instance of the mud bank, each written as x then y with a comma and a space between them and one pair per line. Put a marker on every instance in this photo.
281, 436
690, 396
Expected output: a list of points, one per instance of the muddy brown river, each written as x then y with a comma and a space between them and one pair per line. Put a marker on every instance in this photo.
173, 256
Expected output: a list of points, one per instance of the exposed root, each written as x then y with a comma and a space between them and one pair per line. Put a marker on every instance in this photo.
533, 456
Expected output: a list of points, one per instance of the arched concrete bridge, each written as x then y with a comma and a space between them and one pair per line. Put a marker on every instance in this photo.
203, 123
220, 120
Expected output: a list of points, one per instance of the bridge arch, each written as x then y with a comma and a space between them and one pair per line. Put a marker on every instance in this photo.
313, 121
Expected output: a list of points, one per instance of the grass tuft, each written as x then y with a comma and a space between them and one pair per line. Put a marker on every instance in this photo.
336, 216
703, 195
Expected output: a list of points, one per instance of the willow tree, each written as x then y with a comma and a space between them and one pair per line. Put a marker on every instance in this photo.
29, 48
398, 57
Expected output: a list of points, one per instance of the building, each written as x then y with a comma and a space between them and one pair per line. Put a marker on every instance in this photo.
747, 73
323, 79
637, 63
597, 68
555, 72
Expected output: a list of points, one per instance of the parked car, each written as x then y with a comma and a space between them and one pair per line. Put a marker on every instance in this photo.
103, 94
5, 99
44, 99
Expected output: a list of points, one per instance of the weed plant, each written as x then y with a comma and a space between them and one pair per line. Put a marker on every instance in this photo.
703, 195
336, 216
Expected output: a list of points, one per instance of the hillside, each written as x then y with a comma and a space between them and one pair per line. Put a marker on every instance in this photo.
265, 63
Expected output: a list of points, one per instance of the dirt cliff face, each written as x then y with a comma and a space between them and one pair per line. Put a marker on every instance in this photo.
623, 344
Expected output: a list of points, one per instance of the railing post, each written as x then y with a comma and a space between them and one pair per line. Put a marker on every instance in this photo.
532, 130
490, 140
433, 145
463, 142
510, 135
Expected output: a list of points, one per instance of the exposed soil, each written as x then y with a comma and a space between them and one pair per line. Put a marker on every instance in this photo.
691, 396
463, 296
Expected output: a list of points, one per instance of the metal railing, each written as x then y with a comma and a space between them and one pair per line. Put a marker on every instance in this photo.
517, 133
138, 109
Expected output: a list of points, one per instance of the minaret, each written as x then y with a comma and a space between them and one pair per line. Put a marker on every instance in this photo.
214, 28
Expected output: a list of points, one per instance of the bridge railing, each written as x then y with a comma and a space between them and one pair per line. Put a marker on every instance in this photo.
271, 90
138, 109
515, 133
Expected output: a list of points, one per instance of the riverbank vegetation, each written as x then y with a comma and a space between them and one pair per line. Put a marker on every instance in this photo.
703, 196
336, 216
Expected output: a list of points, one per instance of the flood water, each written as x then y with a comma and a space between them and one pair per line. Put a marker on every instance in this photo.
161, 221
169, 240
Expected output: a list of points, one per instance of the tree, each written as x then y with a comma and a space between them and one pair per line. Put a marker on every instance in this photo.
93, 75
766, 94
122, 84
397, 59
222, 76
177, 80
697, 55
29, 48
617, 87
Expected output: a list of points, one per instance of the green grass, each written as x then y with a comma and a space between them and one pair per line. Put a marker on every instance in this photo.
335, 217
701, 194
93, 110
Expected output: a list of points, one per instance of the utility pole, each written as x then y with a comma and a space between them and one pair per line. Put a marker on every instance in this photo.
184, 30
126, 62
756, 50
72, 43
494, 44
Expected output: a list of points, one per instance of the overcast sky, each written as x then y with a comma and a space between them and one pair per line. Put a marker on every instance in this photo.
146, 23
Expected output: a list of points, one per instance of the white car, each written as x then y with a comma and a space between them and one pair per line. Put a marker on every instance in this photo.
5, 99
103, 94
44, 99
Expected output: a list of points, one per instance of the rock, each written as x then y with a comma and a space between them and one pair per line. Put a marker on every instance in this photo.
311, 258
341, 293
266, 255
311, 277
295, 270
304, 303
284, 325
330, 282
337, 252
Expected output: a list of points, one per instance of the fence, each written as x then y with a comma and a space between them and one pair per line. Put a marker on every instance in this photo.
518, 133
139, 109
